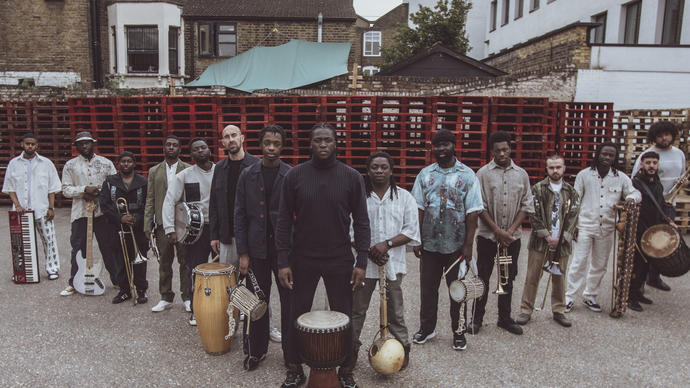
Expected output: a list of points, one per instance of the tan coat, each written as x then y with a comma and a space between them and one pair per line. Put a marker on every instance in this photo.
157, 187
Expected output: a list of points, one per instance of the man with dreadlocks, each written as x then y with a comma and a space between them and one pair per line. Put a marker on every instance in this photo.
600, 187
394, 223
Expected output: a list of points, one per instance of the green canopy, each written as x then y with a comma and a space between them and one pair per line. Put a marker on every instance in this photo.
291, 65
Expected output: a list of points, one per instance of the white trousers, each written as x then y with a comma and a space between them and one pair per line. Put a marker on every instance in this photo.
228, 254
46, 229
588, 264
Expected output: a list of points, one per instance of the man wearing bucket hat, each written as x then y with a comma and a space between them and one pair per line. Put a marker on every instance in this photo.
82, 178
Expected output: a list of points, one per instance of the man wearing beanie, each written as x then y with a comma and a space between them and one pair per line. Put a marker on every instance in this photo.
449, 200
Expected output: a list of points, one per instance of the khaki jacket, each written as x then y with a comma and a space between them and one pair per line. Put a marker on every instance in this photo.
157, 187
541, 219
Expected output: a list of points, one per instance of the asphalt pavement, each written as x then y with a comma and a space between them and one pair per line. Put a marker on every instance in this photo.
50, 340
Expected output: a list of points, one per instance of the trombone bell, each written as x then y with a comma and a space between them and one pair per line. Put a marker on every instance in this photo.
553, 268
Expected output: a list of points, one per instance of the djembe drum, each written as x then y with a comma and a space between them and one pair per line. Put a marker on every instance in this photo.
324, 339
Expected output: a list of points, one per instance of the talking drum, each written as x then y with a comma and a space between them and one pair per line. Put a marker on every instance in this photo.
189, 222
667, 252
467, 289
324, 339
211, 282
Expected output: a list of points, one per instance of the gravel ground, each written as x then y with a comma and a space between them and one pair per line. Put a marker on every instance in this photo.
49, 340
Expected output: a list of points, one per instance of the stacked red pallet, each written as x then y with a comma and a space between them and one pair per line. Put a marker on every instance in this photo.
15, 120
99, 116
582, 126
468, 117
532, 123
297, 115
247, 113
354, 118
191, 117
142, 127
51, 125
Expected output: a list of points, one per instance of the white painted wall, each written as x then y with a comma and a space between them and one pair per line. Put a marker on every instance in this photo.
634, 89
560, 13
41, 78
163, 15
656, 58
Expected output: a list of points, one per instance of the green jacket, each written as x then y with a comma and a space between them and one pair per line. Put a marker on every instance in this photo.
541, 219
157, 187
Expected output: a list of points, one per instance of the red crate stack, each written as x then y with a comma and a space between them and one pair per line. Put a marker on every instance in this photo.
15, 121
468, 118
531, 121
142, 128
191, 117
355, 122
297, 115
98, 116
52, 128
250, 114
403, 129
582, 126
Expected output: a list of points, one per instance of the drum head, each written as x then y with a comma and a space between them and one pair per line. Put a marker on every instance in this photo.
182, 220
323, 320
457, 291
660, 241
214, 269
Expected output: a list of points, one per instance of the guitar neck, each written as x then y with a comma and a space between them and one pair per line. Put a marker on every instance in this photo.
89, 233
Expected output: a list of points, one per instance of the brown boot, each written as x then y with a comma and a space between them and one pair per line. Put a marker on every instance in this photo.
406, 360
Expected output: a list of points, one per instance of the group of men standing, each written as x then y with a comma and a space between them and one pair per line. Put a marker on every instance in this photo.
323, 220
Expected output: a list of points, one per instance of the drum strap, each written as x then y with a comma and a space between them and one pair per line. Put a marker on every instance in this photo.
255, 284
656, 204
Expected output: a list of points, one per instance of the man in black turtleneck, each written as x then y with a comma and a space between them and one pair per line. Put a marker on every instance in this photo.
313, 239
646, 181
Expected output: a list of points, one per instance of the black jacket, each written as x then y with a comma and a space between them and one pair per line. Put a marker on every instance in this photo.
113, 188
218, 204
251, 208
649, 214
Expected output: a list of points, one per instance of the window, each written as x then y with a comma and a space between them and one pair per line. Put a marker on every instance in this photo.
142, 49
372, 44
673, 21
113, 31
227, 40
505, 15
173, 34
492, 21
598, 34
533, 5
632, 22
519, 6
217, 39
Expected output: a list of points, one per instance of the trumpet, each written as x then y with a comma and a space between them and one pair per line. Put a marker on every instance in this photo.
503, 262
123, 208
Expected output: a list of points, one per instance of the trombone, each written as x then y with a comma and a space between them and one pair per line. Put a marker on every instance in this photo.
123, 208
503, 262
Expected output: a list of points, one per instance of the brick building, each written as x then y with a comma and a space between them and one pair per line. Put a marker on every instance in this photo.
377, 34
216, 29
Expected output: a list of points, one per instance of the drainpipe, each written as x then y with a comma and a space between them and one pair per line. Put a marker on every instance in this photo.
320, 31
94, 32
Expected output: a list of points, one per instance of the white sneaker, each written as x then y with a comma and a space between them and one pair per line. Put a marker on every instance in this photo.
67, 291
276, 336
162, 305
188, 306
192, 320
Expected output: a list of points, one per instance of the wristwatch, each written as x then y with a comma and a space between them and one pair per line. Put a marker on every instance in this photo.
389, 243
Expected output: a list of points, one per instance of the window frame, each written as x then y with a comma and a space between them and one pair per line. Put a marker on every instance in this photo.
213, 32
519, 9
602, 26
533, 5
219, 33
505, 15
365, 41
674, 40
128, 29
637, 19
493, 15
173, 36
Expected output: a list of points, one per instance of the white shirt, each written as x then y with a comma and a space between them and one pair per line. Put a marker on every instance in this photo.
80, 172
599, 196
671, 165
32, 180
556, 211
171, 171
387, 219
176, 192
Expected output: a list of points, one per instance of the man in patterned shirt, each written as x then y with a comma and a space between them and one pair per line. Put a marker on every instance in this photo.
82, 178
449, 201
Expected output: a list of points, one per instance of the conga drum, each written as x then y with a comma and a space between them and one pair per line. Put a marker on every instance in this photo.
324, 339
211, 282
668, 253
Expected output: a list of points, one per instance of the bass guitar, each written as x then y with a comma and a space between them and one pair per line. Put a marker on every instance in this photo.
87, 281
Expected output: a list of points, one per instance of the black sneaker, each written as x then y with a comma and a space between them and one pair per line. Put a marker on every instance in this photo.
294, 378
121, 297
510, 325
252, 362
659, 284
569, 306
142, 298
347, 380
459, 342
421, 337
592, 305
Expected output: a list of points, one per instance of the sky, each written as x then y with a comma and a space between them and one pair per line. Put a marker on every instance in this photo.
373, 9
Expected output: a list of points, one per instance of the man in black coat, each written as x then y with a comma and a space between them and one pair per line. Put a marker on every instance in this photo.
222, 202
132, 187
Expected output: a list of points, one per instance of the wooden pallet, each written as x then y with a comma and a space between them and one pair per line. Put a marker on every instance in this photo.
683, 212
